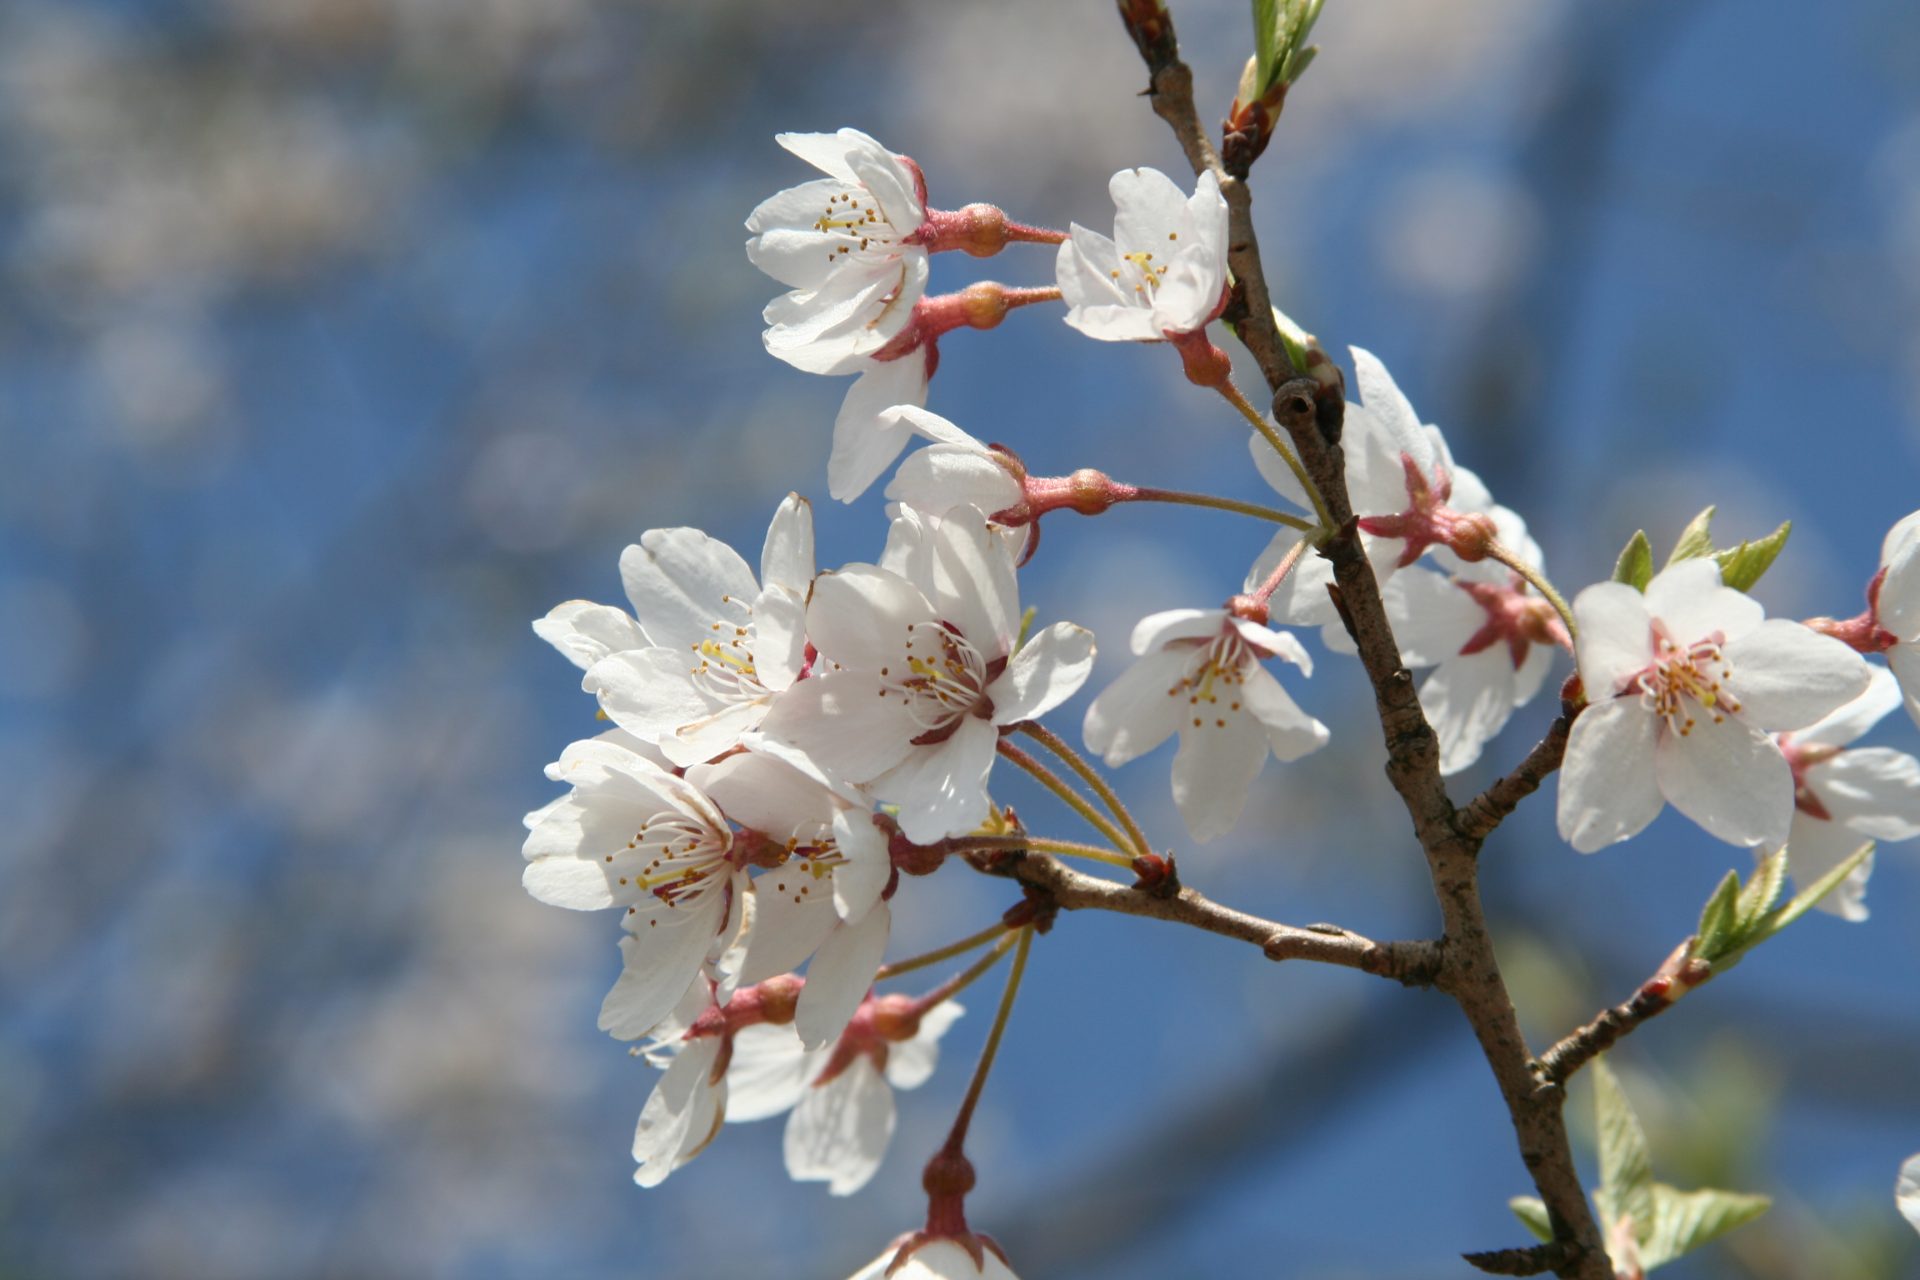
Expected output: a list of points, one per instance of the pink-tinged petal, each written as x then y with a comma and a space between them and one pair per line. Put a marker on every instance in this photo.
840, 977
910, 1063
1730, 778
681, 581
1786, 676
1905, 533
865, 440
1899, 602
1049, 669
768, 1073
585, 632
1084, 269
843, 724
680, 1114
1432, 618
1689, 598
1146, 205
1616, 637
859, 616
943, 476
1158, 630
1291, 732
942, 789
768, 795
1873, 790
1856, 717
859, 880
786, 557
1214, 769
657, 963
1608, 791
1138, 711
788, 925
1467, 701
973, 582
649, 692
1816, 846
1904, 661
839, 1132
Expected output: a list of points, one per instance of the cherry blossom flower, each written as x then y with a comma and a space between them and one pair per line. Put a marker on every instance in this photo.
684, 1111
1686, 683
938, 1260
842, 243
719, 645
1199, 675
955, 471
1906, 1193
1896, 606
867, 434
918, 674
1400, 478
1488, 636
1843, 798
1163, 274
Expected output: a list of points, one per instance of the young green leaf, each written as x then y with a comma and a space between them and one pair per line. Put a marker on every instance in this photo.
1801, 903
1685, 1220
1717, 919
1761, 891
1626, 1173
1741, 566
1635, 565
1696, 539
1266, 44
1533, 1216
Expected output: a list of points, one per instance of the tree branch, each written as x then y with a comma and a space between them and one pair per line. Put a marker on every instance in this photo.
1413, 964
1491, 807
1312, 413
1680, 974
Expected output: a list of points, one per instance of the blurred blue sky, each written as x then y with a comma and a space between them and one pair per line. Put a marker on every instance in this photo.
341, 338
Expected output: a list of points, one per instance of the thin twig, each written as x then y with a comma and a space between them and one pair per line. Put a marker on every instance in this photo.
1490, 808
1089, 775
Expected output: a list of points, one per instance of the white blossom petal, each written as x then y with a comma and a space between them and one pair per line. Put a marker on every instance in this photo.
680, 1115
843, 725
1608, 790
1048, 669
1468, 700
1855, 718
941, 788
788, 925
1730, 778
910, 1062
839, 1132
1873, 790
1904, 661
1213, 771
585, 632
1898, 607
1786, 675
1816, 846
1136, 713
769, 1072
657, 963
865, 440
1615, 640
859, 613
681, 581
1906, 1192
1291, 732
840, 976
1690, 599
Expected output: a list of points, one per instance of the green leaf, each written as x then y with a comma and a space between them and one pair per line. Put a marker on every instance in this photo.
1635, 565
1685, 1220
1626, 1173
1761, 891
1533, 1216
1741, 566
1785, 914
1266, 43
1696, 539
1717, 920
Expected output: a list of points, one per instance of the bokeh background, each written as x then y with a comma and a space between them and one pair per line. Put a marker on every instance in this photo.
341, 338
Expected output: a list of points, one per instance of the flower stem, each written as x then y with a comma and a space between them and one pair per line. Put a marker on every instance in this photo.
1272, 436
1537, 580
971, 974
1263, 594
1089, 775
1068, 796
957, 1136
1021, 842
947, 952
1219, 504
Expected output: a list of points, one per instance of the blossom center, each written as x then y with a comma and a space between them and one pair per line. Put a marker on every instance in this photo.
723, 667
1681, 678
854, 219
941, 678
1514, 617
1145, 275
674, 863
1217, 671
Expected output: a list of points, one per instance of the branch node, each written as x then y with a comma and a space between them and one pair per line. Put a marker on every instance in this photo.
1534, 1260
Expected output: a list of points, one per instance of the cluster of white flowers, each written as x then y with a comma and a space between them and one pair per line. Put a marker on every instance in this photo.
784, 742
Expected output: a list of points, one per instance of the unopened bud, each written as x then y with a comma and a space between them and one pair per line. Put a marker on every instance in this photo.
896, 1018
779, 996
